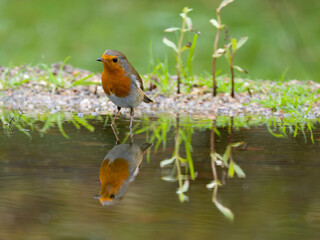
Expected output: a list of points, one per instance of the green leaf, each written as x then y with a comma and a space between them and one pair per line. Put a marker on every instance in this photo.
215, 23
213, 184
183, 15
172, 29
240, 173
223, 4
166, 162
83, 82
240, 69
182, 160
170, 44
184, 187
186, 10
169, 179
226, 155
183, 198
218, 156
83, 122
237, 144
228, 53
219, 52
189, 23
224, 210
241, 42
234, 44
231, 169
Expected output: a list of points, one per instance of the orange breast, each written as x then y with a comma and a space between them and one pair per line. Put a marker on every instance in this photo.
115, 81
113, 174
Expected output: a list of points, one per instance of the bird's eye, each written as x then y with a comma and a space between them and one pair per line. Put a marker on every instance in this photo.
115, 60
112, 196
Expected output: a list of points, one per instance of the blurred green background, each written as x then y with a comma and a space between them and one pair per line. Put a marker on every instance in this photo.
283, 34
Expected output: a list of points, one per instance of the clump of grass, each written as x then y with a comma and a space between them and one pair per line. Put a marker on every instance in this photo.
294, 99
59, 80
225, 50
11, 77
180, 47
160, 76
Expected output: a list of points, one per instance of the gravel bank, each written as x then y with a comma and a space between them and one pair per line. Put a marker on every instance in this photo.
36, 95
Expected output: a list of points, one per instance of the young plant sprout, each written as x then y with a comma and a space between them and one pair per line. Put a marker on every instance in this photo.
229, 54
217, 52
180, 47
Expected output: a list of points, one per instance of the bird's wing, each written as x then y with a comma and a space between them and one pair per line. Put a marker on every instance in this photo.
135, 77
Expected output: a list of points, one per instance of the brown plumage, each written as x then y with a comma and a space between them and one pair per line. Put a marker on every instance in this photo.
121, 82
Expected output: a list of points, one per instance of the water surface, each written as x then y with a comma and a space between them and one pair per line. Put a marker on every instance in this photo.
48, 181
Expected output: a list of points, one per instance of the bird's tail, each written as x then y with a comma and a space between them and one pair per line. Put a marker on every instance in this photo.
144, 147
146, 99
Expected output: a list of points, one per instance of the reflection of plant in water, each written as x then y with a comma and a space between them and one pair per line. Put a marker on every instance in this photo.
181, 135
13, 119
57, 119
225, 161
182, 168
159, 129
281, 127
24, 122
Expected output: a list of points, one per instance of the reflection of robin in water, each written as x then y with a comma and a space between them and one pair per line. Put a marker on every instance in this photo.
119, 167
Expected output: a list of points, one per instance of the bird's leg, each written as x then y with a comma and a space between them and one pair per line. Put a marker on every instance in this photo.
114, 119
116, 135
131, 116
131, 120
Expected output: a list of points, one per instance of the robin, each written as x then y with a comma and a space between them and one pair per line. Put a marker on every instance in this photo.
121, 82
118, 169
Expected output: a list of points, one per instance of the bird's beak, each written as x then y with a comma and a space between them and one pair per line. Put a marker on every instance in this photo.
97, 197
100, 59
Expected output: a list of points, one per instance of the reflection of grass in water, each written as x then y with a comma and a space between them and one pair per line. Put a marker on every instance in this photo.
182, 134
157, 132
182, 169
12, 120
59, 118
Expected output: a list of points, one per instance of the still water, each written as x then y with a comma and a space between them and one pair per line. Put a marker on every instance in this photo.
67, 181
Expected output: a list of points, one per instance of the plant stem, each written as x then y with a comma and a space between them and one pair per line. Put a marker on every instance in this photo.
214, 171
213, 162
179, 55
177, 161
232, 74
230, 139
215, 47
